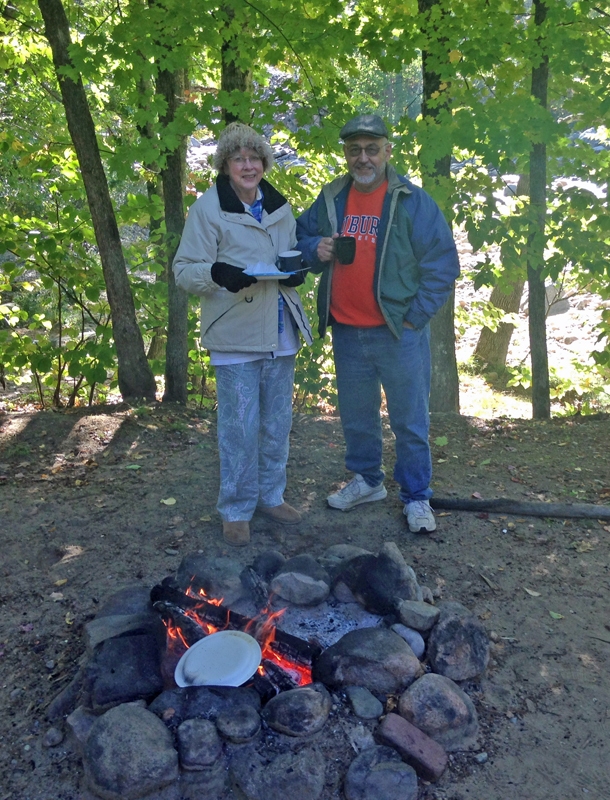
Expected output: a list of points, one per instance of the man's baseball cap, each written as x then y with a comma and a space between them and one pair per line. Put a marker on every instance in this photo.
364, 125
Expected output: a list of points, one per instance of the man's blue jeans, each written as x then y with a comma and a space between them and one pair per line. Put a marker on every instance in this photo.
365, 360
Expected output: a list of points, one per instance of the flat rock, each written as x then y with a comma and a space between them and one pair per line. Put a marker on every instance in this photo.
379, 773
129, 600
299, 712
301, 581
426, 756
363, 702
111, 626
438, 707
199, 744
80, 722
298, 776
420, 616
129, 753
376, 658
458, 646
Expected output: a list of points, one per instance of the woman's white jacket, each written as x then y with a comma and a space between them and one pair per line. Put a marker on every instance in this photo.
219, 229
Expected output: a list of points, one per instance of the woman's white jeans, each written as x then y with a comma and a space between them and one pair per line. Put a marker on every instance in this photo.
254, 421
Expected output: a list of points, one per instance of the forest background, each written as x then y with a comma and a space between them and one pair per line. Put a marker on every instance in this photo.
99, 101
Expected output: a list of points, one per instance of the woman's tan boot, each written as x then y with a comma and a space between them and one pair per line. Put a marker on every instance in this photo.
236, 533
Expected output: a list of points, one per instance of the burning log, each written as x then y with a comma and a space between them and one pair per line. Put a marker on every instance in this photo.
174, 617
278, 676
253, 583
200, 611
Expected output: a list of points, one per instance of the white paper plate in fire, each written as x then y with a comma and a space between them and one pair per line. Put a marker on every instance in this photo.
225, 658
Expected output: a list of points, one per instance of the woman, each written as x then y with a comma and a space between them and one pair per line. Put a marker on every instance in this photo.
250, 327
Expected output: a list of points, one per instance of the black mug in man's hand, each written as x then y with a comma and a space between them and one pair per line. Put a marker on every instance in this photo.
345, 249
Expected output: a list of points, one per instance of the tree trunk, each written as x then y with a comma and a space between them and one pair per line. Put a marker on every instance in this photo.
234, 79
134, 374
445, 385
541, 399
492, 347
172, 85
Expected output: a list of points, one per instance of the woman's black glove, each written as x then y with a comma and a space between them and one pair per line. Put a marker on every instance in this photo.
296, 279
232, 278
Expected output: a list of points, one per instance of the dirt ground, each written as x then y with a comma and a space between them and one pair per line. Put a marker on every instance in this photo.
81, 515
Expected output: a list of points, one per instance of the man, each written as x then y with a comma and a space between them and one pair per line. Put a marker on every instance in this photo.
380, 307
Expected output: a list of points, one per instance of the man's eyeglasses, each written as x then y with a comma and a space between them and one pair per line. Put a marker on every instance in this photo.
240, 161
371, 150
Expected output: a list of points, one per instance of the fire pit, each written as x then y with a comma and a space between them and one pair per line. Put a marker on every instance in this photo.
202, 687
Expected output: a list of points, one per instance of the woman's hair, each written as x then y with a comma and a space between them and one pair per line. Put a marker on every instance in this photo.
233, 138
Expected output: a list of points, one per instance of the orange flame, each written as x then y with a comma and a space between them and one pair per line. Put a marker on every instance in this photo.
262, 628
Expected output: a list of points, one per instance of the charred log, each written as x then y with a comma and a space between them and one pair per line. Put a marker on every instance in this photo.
278, 676
253, 583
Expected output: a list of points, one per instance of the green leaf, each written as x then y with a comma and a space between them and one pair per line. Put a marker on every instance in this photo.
441, 441
555, 615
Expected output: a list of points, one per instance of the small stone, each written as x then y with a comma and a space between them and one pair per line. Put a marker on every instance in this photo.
364, 704
420, 616
299, 712
52, 738
425, 755
16, 693
239, 725
427, 595
199, 745
170, 551
343, 593
411, 637
481, 758
50, 664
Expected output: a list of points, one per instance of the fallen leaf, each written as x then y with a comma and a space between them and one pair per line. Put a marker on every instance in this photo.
27, 627
562, 444
441, 441
485, 462
70, 618
532, 592
76, 482
441, 460
56, 596
443, 514
133, 466
555, 615
171, 501
61, 582
477, 496
485, 615
582, 547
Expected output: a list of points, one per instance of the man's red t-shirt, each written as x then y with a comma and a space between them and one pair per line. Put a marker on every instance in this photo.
352, 300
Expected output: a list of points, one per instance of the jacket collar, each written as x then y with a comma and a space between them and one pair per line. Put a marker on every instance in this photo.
229, 201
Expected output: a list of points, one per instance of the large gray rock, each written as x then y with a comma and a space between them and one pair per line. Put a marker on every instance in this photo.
379, 773
301, 581
298, 776
458, 646
380, 582
376, 658
411, 637
299, 712
239, 725
129, 753
123, 670
438, 707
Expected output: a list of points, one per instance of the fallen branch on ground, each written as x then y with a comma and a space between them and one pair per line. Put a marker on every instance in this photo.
506, 506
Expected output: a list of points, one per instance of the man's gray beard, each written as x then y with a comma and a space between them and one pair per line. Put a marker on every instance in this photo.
362, 179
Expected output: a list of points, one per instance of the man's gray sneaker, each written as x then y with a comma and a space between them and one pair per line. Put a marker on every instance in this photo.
419, 516
357, 491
